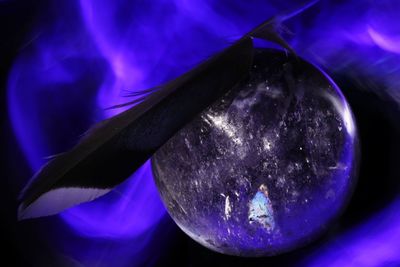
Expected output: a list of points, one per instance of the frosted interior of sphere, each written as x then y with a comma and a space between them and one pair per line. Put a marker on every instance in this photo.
267, 167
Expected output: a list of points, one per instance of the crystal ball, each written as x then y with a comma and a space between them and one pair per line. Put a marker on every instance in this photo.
267, 167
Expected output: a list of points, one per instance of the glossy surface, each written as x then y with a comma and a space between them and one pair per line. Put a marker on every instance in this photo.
267, 167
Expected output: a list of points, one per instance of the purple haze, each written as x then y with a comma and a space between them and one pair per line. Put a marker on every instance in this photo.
84, 55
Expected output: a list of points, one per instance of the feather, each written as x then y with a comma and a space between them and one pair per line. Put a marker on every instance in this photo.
114, 148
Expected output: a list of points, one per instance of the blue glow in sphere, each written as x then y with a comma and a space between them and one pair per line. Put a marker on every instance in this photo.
266, 168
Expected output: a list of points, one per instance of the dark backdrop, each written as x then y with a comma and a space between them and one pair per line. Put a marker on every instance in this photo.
24, 244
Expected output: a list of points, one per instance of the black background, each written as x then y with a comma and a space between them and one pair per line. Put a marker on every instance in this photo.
24, 244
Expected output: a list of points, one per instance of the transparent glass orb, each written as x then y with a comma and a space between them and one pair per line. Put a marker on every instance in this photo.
266, 168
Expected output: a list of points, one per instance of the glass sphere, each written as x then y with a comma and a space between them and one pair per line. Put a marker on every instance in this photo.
267, 167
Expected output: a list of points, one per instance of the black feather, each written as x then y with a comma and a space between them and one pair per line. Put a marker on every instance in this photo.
113, 149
